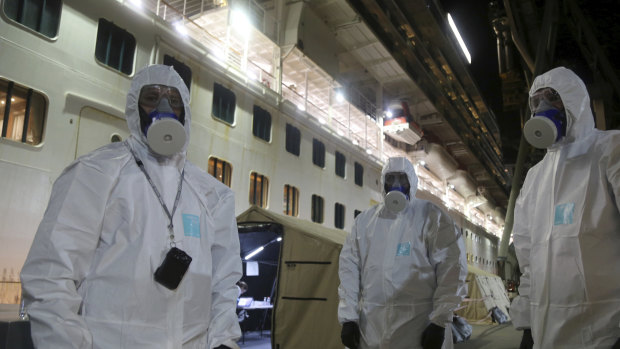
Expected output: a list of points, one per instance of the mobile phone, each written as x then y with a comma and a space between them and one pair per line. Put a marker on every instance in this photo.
173, 268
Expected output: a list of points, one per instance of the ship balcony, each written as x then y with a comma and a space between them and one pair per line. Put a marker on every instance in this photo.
244, 47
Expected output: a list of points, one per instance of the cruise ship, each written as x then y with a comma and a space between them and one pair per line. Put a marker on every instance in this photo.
295, 106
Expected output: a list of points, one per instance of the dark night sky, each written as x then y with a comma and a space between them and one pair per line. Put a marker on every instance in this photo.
472, 20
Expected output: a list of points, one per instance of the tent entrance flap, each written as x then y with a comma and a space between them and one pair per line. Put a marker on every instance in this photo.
305, 311
260, 244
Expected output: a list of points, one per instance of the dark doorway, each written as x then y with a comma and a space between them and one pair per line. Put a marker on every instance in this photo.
260, 252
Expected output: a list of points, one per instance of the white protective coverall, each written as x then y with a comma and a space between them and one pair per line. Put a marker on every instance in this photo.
399, 272
567, 231
88, 279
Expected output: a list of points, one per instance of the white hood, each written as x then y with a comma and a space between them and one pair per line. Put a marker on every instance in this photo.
155, 74
575, 98
400, 164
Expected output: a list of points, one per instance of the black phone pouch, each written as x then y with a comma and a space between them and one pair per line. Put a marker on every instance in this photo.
173, 268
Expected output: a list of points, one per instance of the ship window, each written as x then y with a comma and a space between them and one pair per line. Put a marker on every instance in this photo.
339, 215
41, 16
293, 139
317, 209
220, 169
318, 153
223, 104
261, 127
184, 71
115, 47
291, 200
341, 160
356, 213
359, 174
22, 113
259, 187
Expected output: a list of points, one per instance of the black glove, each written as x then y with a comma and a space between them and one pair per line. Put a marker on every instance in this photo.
527, 342
222, 347
350, 335
617, 345
432, 337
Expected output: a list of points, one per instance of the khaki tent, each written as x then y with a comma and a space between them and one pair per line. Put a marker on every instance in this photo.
485, 291
305, 309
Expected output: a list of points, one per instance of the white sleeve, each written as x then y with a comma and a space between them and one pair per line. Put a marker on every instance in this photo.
61, 255
224, 325
447, 254
520, 307
612, 154
349, 273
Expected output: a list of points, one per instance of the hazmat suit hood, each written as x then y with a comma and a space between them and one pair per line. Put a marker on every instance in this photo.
155, 74
400, 164
575, 99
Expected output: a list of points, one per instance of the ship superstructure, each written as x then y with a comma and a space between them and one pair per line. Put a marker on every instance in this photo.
285, 109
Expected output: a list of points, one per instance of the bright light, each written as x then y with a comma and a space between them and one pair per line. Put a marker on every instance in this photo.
279, 238
136, 3
355, 142
340, 133
239, 21
301, 107
220, 54
451, 186
422, 162
252, 76
322, 121
339, 97
368, 151
388, 114
253, 253
180, 27
459, 39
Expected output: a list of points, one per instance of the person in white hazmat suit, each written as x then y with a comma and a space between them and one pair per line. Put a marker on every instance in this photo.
567, 223
138, 248
402, 270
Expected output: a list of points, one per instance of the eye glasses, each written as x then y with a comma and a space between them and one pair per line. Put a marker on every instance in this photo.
549, 95
151, 95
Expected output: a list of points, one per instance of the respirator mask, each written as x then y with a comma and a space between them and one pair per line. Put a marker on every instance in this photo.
162, 116
548, 122
397, 189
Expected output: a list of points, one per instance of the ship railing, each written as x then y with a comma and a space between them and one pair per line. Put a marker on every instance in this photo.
358, 123
454, 201
289, 92
228, 48
175, 10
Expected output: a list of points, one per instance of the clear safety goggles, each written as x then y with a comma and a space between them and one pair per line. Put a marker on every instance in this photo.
548, 95
151, 95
